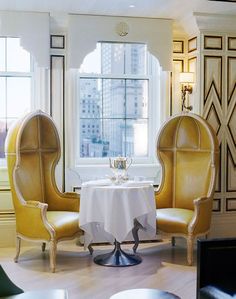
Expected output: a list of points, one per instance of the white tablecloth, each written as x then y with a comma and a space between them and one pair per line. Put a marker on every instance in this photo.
108, 211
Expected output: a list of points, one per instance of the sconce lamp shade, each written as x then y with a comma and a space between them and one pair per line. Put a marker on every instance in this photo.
186, 77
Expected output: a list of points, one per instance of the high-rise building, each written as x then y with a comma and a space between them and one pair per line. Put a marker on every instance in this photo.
110, 106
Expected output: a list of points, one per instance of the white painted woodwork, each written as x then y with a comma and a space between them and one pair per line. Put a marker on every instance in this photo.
34, 38
156, 33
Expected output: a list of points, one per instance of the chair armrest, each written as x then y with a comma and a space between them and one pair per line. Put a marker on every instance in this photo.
35, 203
71, 194
31, 220
202, 215
68, 201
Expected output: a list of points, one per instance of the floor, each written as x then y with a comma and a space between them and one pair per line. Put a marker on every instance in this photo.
162, 267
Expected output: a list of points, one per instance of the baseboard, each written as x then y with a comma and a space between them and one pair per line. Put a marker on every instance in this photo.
7, 231
223, 226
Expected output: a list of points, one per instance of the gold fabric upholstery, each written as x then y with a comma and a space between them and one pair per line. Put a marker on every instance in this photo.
42, 212
187, 149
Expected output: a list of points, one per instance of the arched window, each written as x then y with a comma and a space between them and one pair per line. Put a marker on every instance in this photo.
118, 93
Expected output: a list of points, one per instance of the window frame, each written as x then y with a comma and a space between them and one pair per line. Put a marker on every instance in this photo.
154, 108
18, 74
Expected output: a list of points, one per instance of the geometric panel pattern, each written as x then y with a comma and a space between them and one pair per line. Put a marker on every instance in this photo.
231, 173
213, 118
219, 108
232, 126
230, 204
218, 176
213, 78
231, 77
216, 205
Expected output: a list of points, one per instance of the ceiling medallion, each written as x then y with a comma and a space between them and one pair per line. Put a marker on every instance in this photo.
122, 29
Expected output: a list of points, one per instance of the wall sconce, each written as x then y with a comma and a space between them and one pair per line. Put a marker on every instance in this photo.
186, 79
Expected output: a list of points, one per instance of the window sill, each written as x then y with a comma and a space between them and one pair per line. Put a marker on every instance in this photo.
144, 171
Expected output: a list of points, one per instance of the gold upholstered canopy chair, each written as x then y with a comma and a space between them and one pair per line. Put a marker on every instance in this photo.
43, 213
187, 149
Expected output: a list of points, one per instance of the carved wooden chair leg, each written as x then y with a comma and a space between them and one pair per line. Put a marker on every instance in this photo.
52, 254
190, 240
173, 241
43, 246
18, 243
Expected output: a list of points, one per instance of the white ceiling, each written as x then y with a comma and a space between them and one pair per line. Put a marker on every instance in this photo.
178, 10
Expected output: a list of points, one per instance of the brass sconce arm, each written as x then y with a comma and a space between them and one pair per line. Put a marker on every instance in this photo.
186, 78
185, 89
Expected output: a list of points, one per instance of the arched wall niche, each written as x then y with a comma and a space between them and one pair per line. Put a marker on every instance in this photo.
84, 31
33, 30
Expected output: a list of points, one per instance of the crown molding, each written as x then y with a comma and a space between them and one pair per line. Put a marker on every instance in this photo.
215, 22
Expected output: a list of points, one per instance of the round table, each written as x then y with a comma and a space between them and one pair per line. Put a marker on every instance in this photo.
144, 294
112, 211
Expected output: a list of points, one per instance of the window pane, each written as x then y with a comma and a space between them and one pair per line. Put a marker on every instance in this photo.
112, 58
135, 59
91, 143
90, 98
2, 97
18, 96
113, 98
18, 60
136, 99
92, 62
113, 110
114, 134
2, 54
137, 138
3, 133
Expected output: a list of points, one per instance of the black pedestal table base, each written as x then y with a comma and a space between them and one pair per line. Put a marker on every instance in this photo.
117, 258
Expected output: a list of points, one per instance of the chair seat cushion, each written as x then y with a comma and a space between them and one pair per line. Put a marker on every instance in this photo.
173, 220
66, 224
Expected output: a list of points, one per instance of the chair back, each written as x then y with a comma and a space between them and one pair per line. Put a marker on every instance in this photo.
187, 149
32, 150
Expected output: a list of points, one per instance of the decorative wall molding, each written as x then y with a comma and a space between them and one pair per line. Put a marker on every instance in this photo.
215, 23
34, 37
231, 83
230, 204
219, 174
57, 41
212, 42
219, 108
230, 172
216, 205
212, 78
192, 44
178, 46
192, 65
175, 98
155, 33
223, 225
57, 108
231, 44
